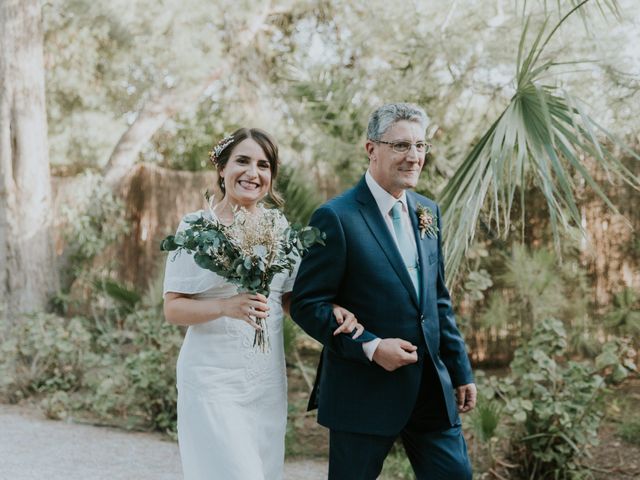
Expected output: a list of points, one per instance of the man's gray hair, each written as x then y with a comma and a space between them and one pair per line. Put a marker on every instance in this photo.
384, 117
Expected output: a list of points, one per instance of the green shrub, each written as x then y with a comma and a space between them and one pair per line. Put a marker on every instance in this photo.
555, 406
43, 353
120, 370
485, 419
528, 286
119, 364
629, 431
134, 383
290, 332
57, 405
623, 317
483, 428
396, 465
93, 222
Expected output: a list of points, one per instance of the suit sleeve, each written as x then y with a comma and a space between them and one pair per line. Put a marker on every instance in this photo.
317, 286
452, 347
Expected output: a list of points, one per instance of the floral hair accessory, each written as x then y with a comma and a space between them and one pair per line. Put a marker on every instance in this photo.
426, 222
214, 154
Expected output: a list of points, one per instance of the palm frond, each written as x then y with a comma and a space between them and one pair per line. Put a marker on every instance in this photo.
605, 7
485, 419
301, 199
121, 294
542, 138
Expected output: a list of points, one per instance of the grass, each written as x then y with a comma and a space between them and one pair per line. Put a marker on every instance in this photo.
629, 431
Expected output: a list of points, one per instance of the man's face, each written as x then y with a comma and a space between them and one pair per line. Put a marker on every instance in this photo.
395, 172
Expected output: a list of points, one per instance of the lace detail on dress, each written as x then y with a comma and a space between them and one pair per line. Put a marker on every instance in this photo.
255, 361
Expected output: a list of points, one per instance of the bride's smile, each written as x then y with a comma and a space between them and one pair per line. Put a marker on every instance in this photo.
247, 175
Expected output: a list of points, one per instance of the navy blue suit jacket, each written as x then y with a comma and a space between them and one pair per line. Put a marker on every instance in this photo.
361, 269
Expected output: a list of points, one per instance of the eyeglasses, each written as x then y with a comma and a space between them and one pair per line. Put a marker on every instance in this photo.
404, 147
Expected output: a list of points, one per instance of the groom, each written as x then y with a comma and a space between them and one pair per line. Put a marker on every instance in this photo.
408, 374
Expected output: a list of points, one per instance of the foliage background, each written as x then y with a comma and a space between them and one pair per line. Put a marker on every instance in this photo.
310, 72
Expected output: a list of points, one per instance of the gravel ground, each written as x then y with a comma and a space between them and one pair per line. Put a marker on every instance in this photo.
35, 448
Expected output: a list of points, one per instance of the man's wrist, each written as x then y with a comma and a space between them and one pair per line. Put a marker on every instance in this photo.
370, 348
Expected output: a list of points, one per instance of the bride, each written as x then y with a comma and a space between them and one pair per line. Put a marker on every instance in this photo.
232, 399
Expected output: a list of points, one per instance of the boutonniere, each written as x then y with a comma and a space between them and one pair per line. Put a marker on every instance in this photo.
426, 221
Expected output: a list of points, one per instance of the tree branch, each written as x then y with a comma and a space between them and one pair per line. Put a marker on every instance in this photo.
158, 109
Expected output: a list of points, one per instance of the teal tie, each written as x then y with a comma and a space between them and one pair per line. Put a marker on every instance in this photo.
406, 247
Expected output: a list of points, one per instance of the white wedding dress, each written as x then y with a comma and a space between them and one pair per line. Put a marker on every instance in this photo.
232, 399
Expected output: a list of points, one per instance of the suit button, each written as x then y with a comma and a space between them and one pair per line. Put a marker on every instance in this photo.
422, 318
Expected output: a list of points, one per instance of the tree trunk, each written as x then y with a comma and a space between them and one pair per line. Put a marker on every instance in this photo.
27, 273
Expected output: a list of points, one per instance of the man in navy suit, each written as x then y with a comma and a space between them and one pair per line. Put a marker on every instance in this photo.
408, 374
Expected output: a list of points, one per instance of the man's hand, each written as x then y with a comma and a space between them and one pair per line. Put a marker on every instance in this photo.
466, 396
393, 353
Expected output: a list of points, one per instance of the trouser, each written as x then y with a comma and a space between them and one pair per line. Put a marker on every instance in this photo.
436, 449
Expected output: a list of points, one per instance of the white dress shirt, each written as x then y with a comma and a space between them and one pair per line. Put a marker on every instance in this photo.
385, 202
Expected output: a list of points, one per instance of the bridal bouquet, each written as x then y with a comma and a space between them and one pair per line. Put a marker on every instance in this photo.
247, 253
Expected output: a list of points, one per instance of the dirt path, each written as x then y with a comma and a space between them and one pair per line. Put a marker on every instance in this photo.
35, 448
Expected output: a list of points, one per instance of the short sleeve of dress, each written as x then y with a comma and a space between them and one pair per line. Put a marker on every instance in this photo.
183, 275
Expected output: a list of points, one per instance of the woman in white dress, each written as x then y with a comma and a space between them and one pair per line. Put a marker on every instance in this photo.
232, 399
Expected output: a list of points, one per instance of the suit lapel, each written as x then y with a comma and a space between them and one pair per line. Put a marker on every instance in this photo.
375, 222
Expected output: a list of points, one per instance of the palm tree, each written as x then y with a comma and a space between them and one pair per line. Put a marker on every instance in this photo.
541, 138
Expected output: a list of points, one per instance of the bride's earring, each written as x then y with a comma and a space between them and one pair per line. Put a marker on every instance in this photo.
222, 184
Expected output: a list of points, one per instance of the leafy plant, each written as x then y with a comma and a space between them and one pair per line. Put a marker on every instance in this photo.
126, 298
57, 405
555, 406
94, 221
301, 198
135, 385
290, 331
624, 317
133, 380
485, 419
531, 285
484, 426
120, 370
477, 282
43, 353
396, 465
629, 430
